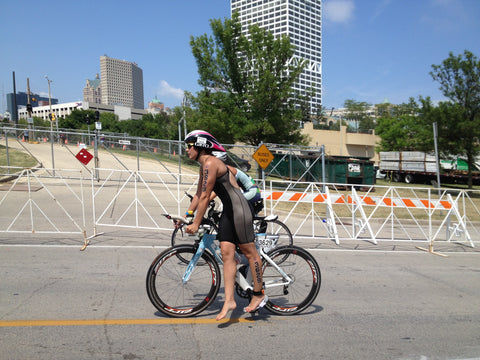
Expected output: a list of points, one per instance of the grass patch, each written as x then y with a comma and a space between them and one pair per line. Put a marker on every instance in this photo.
15, 159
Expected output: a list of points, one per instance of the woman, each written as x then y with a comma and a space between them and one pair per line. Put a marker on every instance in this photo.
235, 225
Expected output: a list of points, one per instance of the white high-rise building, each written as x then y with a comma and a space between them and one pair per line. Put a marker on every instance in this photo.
301, 20
121, 83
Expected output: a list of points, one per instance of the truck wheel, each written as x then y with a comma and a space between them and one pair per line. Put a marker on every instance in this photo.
397, 177
409, 178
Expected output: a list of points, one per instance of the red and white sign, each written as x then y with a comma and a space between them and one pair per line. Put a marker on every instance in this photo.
84, 156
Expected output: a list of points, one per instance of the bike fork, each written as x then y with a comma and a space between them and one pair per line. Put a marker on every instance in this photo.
193, 263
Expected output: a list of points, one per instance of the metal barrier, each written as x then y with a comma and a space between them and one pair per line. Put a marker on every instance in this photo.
36, 203
139, 198
377, 213
135, 199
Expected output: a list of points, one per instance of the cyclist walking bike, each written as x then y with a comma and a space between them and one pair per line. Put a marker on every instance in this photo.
177, 288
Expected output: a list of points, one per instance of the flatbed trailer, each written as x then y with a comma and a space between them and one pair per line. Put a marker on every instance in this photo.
419, 167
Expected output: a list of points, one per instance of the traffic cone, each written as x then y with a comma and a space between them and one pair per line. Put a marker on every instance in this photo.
154, 150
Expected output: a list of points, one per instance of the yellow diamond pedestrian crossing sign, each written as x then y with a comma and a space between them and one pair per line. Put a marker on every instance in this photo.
263, 156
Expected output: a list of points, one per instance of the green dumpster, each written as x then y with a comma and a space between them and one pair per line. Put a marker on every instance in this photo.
348, 170
308, 168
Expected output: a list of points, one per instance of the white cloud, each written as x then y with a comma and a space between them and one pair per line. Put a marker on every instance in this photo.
166, 90
339, 11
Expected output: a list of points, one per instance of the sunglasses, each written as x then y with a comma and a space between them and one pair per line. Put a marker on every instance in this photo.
189, 145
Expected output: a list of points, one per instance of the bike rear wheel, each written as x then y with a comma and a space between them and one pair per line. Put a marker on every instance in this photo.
303, 269
165, 287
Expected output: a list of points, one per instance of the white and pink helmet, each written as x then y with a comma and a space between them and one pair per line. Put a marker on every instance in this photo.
203, 139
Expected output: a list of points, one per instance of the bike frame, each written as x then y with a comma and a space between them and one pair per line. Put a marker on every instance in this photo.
208, 242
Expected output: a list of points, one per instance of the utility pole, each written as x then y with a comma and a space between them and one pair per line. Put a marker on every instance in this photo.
29, 111
15, 109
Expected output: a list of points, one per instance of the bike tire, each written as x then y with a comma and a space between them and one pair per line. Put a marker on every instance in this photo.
165, 287
302, 267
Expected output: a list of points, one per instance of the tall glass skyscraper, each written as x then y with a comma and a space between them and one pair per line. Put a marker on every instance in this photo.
301, 20
121, 83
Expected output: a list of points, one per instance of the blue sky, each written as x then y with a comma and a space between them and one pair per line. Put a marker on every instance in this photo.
372, 49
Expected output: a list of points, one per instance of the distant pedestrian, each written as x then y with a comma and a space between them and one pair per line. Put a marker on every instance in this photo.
25, 135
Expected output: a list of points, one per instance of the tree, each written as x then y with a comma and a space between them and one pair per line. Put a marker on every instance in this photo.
358, 112
247, 84
406, 127
459, 78
77, 119
110, 122
217, 113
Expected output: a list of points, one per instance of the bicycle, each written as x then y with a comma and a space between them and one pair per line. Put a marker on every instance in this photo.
291, 275
269, 225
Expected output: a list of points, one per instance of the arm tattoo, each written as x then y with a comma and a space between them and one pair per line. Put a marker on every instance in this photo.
205, 179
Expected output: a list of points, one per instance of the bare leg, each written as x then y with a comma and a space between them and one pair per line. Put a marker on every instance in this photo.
229, 272
255, 262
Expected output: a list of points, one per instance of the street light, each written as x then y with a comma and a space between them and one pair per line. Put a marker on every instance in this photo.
51, 122
184, 104
184, 120
49, 96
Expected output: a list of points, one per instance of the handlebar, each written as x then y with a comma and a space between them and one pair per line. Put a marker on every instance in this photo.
178, 218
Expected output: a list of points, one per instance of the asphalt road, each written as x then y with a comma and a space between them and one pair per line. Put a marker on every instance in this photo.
57, 302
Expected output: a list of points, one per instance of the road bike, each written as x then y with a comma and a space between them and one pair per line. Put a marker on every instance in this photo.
291, 276
261, 225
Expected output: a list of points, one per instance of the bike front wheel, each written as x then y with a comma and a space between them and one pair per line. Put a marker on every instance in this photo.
173, 297
303, 270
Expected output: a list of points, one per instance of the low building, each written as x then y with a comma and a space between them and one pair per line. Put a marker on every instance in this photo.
62, 110
343, 143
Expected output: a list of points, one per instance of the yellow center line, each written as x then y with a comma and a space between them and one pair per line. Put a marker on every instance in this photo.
28, 323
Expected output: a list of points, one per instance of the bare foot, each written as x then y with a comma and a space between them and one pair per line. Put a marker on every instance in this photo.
255, 303
227, 307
